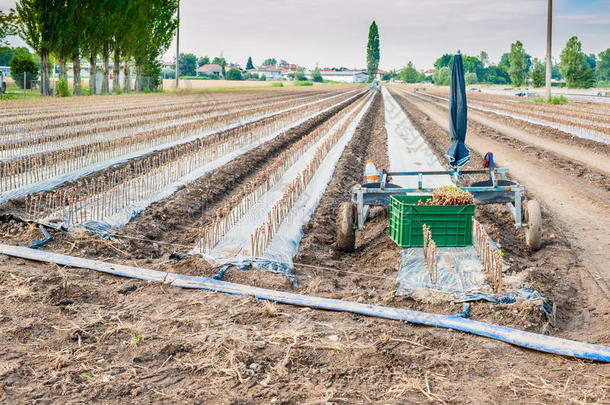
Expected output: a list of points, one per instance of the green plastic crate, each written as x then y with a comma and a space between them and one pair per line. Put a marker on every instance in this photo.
451, 225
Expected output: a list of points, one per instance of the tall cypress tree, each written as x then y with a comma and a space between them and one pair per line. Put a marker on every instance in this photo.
249, 64
372, 52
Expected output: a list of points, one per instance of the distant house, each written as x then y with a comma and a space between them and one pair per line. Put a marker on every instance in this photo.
429, 72
210, 69
346, 76
270, 72
229, 67
291, 68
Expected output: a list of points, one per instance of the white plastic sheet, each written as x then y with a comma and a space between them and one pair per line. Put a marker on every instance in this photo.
570, 129
407, 150
123, 217
235, 245
52, 182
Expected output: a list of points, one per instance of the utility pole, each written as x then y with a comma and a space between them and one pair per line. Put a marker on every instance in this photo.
549, 26
177, 45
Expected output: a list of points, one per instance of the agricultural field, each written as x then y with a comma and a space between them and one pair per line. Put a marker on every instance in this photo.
244, 186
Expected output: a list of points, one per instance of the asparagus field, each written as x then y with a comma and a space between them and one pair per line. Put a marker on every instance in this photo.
245, 186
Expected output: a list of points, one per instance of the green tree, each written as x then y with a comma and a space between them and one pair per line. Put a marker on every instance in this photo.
603, 65
574, 66
484, 58
187, 64
517, 64
234, 74
283, 62
299, 74
35, 20
8, 25
151, 72
158, 28
445, 60
470, 78
316, 76
555, 72
591, 61
372, 52
409, 74
442, 76
249, 64
23, 62
7, 53
538, 73
474, 65
392, 74
504, 61
204, 60
270, 62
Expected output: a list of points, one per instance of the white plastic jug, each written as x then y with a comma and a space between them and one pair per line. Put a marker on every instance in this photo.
370, 171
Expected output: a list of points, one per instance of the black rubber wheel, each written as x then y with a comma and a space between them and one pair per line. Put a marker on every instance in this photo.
533, 233
346, 230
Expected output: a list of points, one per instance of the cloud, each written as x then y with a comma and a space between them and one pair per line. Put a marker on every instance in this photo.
334, 32
585, 19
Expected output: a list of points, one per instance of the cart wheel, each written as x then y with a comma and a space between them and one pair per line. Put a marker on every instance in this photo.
346, 231
533, 234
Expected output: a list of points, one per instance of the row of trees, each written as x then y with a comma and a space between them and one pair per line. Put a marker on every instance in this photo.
126, 30
515, 67
189, 62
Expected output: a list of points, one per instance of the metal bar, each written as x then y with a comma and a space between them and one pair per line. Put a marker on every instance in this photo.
431, 190
517, 212
441, 172
360, 208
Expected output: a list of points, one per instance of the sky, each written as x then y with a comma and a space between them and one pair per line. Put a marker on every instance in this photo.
334, 33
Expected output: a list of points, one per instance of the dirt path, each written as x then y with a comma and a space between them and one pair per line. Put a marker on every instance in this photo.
564, 196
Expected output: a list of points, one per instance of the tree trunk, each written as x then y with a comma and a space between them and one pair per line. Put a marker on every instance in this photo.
45, 73
61, 62
92, 73
105, 67
138, 77
116, 68
63, 71
127, 76
76, 82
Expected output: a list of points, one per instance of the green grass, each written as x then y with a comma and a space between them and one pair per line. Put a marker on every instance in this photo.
280, 84
552, 100
303, 83
14, 93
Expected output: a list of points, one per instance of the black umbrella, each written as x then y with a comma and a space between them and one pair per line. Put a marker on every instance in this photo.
457, 153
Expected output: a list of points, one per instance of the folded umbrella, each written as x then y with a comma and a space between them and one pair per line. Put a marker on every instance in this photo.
457, 154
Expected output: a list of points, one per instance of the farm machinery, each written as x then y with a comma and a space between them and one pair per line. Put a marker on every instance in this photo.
496, 189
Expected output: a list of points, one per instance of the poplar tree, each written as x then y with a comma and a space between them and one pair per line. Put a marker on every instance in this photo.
372, 52
518, 64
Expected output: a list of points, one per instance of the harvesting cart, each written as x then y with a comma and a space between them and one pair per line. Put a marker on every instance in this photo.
497, 189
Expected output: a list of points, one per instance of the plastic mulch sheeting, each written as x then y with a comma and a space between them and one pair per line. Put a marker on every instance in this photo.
459, 273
